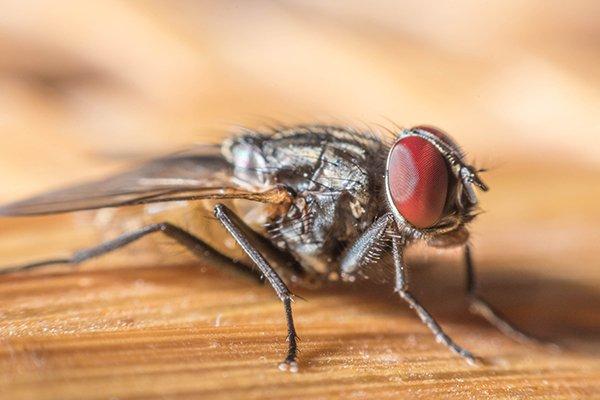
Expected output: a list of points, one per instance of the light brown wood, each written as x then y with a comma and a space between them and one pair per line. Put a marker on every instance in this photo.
83, 85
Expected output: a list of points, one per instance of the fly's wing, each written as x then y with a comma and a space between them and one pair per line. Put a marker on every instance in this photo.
201, 173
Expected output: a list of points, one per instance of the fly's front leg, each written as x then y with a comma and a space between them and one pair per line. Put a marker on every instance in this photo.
250, 242
484, 309
366, 248
424, 315
359, 254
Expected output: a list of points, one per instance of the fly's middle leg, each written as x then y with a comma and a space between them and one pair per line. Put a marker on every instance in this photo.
251, 243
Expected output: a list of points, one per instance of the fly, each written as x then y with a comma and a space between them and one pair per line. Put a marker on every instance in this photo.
331, 201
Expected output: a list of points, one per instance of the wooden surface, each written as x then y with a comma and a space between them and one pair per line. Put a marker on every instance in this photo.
85, 85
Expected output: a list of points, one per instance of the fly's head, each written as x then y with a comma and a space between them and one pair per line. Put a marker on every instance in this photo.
429, 187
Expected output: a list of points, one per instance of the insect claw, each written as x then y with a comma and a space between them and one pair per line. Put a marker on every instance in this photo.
472, 360
289, 365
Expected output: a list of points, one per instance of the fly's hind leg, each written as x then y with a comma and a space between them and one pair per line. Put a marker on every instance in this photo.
186, 239
484, 309
257, 249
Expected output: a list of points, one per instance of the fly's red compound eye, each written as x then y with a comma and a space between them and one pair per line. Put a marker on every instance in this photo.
418, 181
443, 136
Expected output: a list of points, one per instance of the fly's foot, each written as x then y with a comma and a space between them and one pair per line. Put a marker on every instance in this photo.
456, 349
468, 357
289, 364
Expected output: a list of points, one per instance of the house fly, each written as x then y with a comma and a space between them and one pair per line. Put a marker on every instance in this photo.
331, 201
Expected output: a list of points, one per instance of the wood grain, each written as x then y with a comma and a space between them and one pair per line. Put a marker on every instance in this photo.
84, 86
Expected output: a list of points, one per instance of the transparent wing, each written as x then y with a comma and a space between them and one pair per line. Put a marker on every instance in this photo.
201, 173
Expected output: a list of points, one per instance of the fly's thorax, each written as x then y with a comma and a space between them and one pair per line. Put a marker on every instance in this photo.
333, 205
333, 173
317, 226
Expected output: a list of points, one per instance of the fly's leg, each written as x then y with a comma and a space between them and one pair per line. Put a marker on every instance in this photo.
359, 255
365, 249
243, 236
191, 242
484, 309
426, 318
